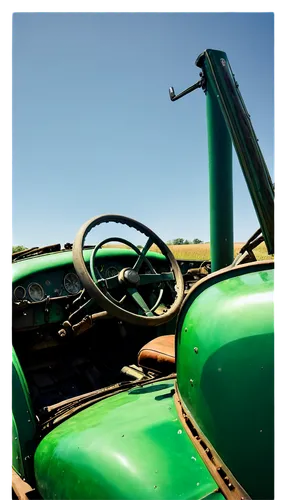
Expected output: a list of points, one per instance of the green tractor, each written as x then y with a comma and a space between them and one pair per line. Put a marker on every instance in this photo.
139, 376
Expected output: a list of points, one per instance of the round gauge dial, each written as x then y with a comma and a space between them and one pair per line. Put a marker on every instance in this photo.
72, 283
111, 271
19, 293
36, 292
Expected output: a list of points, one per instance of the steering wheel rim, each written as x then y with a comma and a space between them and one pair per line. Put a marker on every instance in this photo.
94, 289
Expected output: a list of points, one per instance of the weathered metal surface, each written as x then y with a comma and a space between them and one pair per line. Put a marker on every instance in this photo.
228, 484
128, 446
227, 385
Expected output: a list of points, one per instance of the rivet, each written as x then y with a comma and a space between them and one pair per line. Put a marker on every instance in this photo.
186, 329
191, 382
196, 349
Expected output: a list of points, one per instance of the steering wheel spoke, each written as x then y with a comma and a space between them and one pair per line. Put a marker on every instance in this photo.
142, 257
109, 283
148, 279
140, 301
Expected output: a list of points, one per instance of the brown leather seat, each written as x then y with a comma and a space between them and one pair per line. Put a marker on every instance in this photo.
158, 355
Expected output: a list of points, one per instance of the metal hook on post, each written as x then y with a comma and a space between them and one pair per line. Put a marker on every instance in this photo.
175, 97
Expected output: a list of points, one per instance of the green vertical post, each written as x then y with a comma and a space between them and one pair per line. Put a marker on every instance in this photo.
220, 173
220, 182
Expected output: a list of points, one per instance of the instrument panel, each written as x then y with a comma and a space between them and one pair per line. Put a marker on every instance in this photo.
55, 283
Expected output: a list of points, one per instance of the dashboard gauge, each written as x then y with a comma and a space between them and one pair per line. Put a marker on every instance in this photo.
72, 283
19, 293
36, 292
111, 271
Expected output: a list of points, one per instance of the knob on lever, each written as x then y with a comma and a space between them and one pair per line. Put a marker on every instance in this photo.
175, 97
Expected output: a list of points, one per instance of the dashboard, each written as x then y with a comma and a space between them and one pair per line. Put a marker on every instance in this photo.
46, 289
64, 282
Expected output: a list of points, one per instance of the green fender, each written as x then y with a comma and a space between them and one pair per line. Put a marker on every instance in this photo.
225, 370
129, 446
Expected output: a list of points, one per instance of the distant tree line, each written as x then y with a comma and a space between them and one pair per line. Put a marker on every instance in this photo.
18, 248
182, 241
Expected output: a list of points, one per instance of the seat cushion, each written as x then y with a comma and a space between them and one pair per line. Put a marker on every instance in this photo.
158, 355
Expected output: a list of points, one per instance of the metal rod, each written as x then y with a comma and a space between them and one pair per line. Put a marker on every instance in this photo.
175, 97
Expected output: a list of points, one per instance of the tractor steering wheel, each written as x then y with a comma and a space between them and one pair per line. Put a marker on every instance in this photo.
129, 280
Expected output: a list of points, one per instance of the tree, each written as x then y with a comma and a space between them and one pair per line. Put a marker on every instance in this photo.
18, 248
178, 241
186, 242
196, 241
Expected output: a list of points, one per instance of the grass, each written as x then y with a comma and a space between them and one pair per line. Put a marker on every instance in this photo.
202, 251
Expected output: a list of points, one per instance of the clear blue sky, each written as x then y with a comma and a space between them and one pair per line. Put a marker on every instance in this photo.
94, 130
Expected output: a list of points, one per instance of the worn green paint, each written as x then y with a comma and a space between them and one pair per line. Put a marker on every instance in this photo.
225, 370
222, 87
131, 445
27, 267
220, 183
24, 424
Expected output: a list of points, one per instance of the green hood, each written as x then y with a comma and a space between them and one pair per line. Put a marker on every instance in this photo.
128, 446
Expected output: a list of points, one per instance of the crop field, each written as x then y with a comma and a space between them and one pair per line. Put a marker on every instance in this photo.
201, 251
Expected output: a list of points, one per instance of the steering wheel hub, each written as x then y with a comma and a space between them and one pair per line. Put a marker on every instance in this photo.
129, 277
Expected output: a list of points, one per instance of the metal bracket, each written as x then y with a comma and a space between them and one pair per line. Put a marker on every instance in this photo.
175, 97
